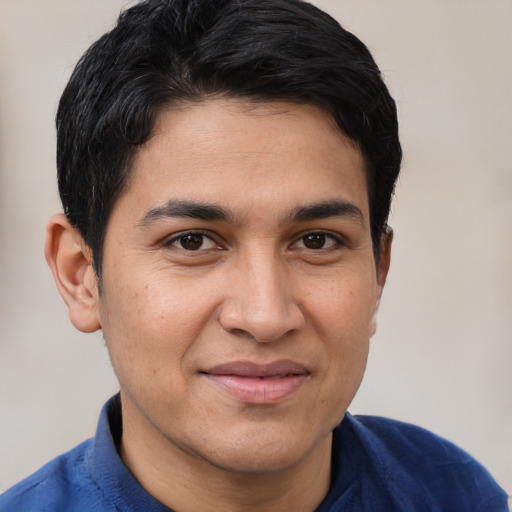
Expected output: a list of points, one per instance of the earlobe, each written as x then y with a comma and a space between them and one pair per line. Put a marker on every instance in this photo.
70, 261
383, 264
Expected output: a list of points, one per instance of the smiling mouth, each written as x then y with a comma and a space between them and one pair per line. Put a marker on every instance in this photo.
258, 384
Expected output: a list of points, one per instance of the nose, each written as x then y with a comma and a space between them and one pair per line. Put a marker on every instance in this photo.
260, 302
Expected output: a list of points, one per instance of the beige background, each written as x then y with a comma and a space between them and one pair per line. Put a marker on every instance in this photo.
443, 355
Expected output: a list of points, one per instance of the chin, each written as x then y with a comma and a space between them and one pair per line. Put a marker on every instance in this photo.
250, 461
260, 450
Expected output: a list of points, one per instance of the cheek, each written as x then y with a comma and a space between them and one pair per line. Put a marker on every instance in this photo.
149, 324
342, 317
343, 306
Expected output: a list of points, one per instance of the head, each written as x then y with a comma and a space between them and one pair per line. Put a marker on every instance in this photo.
227, 166
166, 52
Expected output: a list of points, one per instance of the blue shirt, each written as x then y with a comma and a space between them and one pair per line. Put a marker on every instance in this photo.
379, 465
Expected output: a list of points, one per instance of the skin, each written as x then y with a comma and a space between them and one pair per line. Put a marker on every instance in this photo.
267, 280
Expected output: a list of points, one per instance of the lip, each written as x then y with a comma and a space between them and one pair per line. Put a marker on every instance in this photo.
254, 383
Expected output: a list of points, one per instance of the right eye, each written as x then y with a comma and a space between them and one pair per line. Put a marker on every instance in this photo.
192, 241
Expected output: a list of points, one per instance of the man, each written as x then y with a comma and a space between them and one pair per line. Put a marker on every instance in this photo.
226, 169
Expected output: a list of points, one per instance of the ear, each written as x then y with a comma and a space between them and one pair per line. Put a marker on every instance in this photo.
382, 272
70, 261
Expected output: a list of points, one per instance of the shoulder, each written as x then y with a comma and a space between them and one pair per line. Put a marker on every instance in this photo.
61, 484
411, 466
399, 440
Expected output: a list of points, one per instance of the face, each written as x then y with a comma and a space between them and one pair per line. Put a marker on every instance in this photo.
239, 283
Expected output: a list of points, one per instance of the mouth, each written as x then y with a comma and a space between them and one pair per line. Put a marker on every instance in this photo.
253, 383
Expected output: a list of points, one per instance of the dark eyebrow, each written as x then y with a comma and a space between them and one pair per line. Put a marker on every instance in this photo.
190, 209
325, 209
213, 212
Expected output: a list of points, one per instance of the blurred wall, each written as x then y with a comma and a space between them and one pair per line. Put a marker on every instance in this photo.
443, 355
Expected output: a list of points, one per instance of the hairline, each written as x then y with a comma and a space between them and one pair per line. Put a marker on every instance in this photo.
181, 103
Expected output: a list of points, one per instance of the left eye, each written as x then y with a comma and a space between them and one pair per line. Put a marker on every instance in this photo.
316, 241
192, 242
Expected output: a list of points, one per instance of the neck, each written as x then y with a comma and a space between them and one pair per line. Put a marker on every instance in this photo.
186, 482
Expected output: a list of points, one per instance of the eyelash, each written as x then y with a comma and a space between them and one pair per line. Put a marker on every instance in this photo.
336, 239
181, 236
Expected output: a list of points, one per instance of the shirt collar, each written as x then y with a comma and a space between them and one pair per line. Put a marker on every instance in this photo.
108, 471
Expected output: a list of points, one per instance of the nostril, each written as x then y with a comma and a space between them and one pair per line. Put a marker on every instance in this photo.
264, 312
241, 333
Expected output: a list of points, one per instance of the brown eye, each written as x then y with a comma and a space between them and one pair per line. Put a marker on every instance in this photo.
191, 242
314, 241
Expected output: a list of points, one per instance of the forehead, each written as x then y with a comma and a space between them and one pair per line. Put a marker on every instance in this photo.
247, 153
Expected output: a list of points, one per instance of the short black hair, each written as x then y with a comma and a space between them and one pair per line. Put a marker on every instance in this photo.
166, 51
